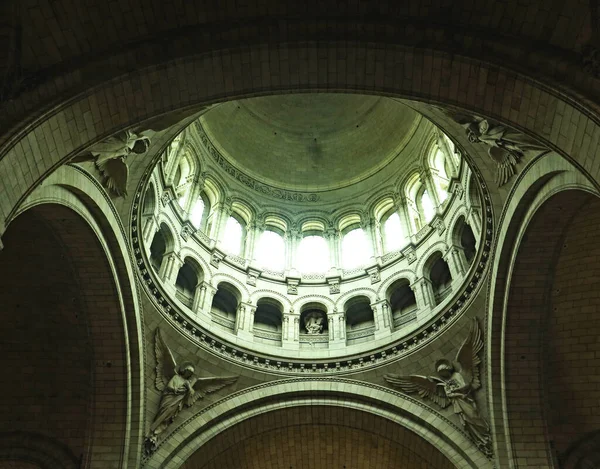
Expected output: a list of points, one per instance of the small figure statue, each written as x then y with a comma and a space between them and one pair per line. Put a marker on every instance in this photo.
179, 387
109, 156
313, 322
455, 386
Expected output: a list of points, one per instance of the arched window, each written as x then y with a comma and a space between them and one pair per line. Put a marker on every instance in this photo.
440, 168
313, 254
355, 249
392, 233
427, 206
270, 252
233, 236
196, 213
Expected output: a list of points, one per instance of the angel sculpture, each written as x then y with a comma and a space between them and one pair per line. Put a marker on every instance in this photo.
506, 146
178, 387
109, 156
455, 385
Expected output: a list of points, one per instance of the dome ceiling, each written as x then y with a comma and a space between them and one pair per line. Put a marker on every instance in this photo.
311, 142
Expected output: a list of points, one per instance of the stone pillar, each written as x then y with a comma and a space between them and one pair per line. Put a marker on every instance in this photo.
337, 330
367, 226
244, 320
428, 182
449, 154
195, 191
333, 238
382, 314
199, 294
402, 211
208, 298
292, 240
250, 242
259, 229
296, 328
423, 293
455, 263
148, 229
474, 220
170, 268
331, 327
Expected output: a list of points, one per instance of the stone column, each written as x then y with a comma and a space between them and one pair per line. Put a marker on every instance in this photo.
337, 330
291, 239
207, 300
170, 268
402, 210
423, 293
428, 182
382, 314
195, 190
331, 328
149, 227
244, 320
333, 239
474, 220
367, 226
455, 264
251, 232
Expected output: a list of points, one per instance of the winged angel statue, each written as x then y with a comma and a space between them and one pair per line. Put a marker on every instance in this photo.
455, 385
506, 146
179, 388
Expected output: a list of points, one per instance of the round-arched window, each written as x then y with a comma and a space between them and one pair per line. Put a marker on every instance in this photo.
196, 213
270, 252
232, 238
427, 205
313, 255
355, 249
392, 233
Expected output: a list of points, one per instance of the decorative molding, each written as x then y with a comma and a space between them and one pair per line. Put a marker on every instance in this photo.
252, 276
216, 257
292, 285
410, 252
374, 274
248, 181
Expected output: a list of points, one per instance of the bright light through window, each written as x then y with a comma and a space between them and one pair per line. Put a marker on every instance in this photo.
313, 254
355, 249
393, 233
270, 252
196, 213
427, 204
232, 238
182, 200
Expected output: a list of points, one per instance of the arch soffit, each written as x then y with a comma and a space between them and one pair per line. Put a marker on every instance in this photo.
37, 448
542, 177
260, 294
98, 213
453, 225
383, 402
425, 260
166, 218
407, 274
343, 299
151, 191
219, 278
299, 303
188, 252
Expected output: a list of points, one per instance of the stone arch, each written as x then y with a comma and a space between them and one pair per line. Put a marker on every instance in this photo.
423, 262
409, 275
537, 183
368, 292
384, 402
99, 299
244, 293
84, 195
298, 304
258, 294
187, 251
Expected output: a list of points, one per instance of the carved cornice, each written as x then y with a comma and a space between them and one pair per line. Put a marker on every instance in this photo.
248, 181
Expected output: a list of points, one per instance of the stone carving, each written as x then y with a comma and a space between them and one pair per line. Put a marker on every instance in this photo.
374, 275
591, 60
186, 231
109, 157
438, 224
334, 287
313, 322
249, 181
216, 258
179, 388
506, 146
165, 198
455, 385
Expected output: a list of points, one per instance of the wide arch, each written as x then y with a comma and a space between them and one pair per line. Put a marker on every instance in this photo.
548, 176
81, 199
267, 397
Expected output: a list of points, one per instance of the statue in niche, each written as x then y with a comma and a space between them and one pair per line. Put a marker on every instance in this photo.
109, 157
455, 385
506, 146
313, 322
179, 388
